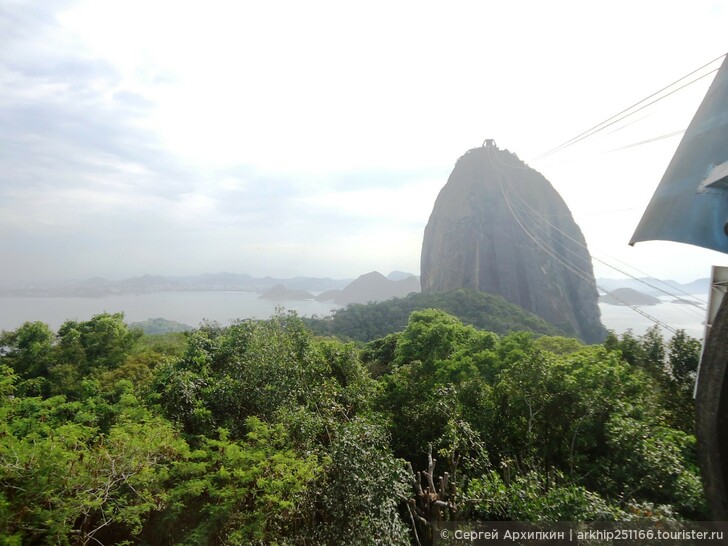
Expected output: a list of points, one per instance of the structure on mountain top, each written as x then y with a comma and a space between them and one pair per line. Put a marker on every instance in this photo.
499, 226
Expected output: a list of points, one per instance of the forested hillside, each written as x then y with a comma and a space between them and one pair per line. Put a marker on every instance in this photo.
367, 322
262, 432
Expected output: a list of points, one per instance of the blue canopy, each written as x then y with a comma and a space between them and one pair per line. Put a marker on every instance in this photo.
691, 203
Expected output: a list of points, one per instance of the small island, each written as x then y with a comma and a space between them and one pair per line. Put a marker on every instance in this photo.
280, 293
628, 296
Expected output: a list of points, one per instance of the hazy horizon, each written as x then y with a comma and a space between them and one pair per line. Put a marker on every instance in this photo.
173, 275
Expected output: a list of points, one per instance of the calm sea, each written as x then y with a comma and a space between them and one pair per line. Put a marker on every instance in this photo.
193, 307
679, 316
186, 307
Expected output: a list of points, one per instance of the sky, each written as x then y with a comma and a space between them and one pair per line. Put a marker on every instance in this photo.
311, 138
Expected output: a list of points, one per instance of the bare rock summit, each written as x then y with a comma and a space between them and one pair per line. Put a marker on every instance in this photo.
499, 226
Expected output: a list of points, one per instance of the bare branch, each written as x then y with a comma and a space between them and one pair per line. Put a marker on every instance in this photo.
414, 525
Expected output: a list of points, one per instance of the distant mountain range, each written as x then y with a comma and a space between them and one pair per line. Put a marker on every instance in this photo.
397, 282
370, 287
655, 287
214, 282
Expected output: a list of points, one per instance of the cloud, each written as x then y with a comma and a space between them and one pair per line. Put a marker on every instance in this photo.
86, 187
166, 137
75, 162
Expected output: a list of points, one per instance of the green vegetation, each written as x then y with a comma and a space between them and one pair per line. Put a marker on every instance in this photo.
263, 433
160, 326
367, 322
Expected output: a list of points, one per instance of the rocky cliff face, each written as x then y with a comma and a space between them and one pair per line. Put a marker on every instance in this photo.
499, 226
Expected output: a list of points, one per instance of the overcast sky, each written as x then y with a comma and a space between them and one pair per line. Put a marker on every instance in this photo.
312, 138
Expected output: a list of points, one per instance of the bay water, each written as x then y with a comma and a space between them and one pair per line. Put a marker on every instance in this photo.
192, 308
189, 308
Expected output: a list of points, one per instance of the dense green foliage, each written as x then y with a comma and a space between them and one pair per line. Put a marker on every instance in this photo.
160, 326
262, 433
367, 322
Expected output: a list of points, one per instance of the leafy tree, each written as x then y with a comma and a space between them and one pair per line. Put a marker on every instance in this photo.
431, 336
682, 365
362, 488
541, 407
653, 354
102, 343
378, 355
148, 352
56, 364
29, 352
684, 356
673, 368
260, 368
537, 497
63, 480
648, 463
558, 345
630, 348
248, 491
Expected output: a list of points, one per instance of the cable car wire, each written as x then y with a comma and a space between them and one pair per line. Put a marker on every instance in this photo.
701, 303
535, 213
566, 263
631, 110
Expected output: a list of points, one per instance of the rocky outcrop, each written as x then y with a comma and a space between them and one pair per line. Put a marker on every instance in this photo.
499, 226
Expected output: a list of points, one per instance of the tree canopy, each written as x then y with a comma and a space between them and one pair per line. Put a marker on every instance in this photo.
263, 432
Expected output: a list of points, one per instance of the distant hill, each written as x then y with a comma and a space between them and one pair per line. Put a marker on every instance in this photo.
628, 296
400, 275
656, 287
366, 322
280, 293
160, 326
371, 287
145, 284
